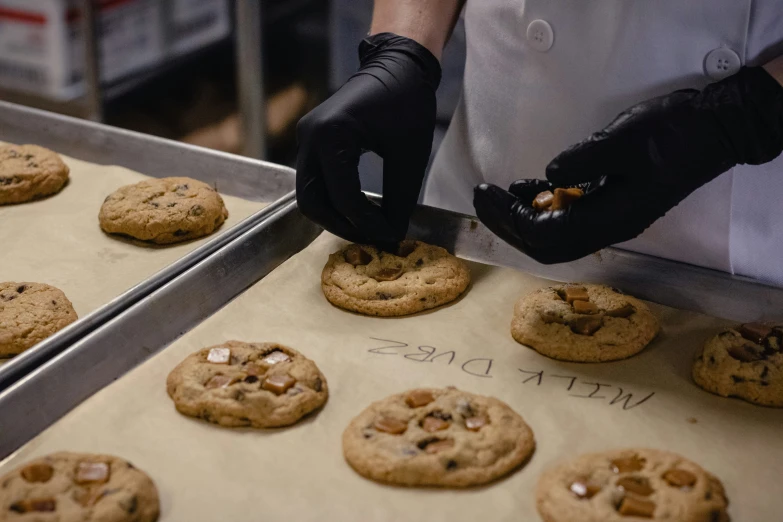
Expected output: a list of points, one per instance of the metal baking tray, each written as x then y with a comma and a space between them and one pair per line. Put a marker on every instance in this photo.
95, 143
107, 353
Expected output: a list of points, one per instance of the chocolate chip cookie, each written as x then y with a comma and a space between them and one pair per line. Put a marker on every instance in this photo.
437, 437
416, 277
78, 487
29, 172
29, 313
583, 323
263, 385
631, 484
163, 211
744, 362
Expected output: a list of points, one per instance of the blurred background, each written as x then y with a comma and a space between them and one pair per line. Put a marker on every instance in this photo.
232, 75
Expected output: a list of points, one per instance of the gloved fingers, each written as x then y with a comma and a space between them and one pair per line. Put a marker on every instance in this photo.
495, 208
527, 189
601, 154
402, 180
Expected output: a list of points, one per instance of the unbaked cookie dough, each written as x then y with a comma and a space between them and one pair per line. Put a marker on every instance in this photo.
417, 277
437, 437
29, 172
78, 487
29, 313
744, 362
163, 211
583, 323
263, 385
630, 485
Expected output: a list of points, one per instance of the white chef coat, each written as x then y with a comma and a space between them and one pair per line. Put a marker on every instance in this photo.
543, 74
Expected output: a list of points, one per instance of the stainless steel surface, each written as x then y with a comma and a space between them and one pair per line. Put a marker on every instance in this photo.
47, 393
92, 64
250, 77
659, 280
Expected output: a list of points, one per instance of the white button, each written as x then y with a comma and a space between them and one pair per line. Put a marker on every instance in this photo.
540, 35
721, 62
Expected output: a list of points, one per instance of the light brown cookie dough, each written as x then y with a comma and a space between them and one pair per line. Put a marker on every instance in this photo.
263, 385
29, 313
368, 281
583, 323
78, 487
437, 437
630, 485
163, 211
29, 172
744, 362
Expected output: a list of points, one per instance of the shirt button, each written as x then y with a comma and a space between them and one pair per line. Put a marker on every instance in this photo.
540, 35
721, 62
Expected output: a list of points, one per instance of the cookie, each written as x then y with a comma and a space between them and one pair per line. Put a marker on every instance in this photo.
369, 281
78, 487
263, 385
583, 323
630, 484
29, 172
437, 437
744, 362
29, 313
163, 211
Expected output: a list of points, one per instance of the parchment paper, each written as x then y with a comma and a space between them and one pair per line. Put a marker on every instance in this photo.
58, 241
208, 473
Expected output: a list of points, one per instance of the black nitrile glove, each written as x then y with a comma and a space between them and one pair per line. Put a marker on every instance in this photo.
387, 107
643, 164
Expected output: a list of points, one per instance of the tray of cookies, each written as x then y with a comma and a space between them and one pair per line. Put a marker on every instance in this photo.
92, 218
351, 383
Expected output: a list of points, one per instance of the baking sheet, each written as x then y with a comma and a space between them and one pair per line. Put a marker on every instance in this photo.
205, 472
58, 241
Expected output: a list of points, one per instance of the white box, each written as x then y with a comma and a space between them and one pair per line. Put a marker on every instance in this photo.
197, 23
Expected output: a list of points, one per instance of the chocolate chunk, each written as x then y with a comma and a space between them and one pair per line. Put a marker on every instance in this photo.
637, 485
390, 425
180, 233
318, 384
737, 379
219, 355
575, 293
679, 478
451, 464
388, 274
432, 424
543, 200
278, 384
91, 472
746, 353
585, 307
356, 256
38, 472
275, 357
154, 204
586, 324
435, 445
418, 398
476, 423
220, 381
21, 289
130, 505
196, 210
764, 372
624, 311
627, 464
464, 407
250, 379
32, 505
584, 489
442, 415
171, 205
755, 332
634, 507
406, 248
563, 198
184, 186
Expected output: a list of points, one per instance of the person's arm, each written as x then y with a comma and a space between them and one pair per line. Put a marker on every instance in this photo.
775, 69
428, 22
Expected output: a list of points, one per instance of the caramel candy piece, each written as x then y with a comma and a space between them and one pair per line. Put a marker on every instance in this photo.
627, 310
755, 332
38, 472
406, 248
390, 425
638, 485
745, 353
418, 398
585, 307
584, 489
586, 324
388, 274
628, 464
476, 423
679, 478
219, 381
254, 370
356, 256
564, 197
32, 505
433, 424
575, 293
91, 472
278, 384
437, 446
219, 355
543, 201
276, 357
634, 507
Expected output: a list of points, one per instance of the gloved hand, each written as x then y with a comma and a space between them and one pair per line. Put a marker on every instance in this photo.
387, 107
639, 167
